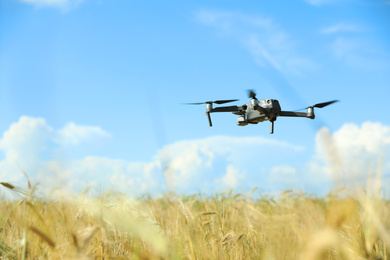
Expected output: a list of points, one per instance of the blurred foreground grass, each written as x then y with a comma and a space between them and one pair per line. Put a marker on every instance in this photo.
223, 226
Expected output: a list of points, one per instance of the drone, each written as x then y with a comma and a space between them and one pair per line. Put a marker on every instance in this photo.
257, 111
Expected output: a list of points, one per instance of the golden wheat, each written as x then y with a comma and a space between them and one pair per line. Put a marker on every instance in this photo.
223, 226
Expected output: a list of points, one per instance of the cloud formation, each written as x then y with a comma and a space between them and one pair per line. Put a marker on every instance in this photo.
316, 2
348, 156
262, 37
62, 4
209, 164
232, 177
355, 47
273, 47
73, 134
352, 155
339, 28
221, 160
25, 140
359, 52
320, 2
33, 145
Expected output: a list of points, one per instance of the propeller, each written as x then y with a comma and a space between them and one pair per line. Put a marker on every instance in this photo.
215, 102
319, 105
210, 106
251, 93
324, 104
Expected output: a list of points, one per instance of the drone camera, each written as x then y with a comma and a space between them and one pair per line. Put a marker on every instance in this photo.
241, 121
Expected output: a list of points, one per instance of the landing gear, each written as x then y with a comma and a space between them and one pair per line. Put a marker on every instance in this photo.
272, 125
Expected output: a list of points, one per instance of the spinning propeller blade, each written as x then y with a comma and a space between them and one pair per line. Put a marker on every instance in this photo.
251, 93
224, 101
195, 103
324, 104
216, 102
319, 105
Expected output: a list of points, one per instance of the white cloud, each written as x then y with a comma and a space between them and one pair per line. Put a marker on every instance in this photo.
277, 51
357, 50
347, 156
231, 23
320, 2
359, 53
189, 166
341, 27
262, 37
74, 134
62, 4
283, 173
25, 140
184, 166
272, 47
194, 163
231, 179
101, 173
32, 145
352, 154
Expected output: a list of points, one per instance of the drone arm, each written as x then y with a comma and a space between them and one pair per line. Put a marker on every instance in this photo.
293, 114
261, 109
225, 109
309, 114
210, 109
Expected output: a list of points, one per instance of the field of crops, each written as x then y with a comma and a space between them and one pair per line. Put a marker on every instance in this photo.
223, 226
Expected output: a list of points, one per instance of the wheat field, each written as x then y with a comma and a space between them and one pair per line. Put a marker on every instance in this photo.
222, 226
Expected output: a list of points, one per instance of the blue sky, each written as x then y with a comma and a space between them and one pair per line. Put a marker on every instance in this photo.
92, 93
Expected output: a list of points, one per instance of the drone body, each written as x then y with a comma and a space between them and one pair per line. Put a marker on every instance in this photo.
252, 114
257, 111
